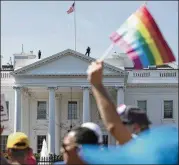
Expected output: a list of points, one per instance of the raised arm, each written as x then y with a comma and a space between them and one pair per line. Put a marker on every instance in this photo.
106, 107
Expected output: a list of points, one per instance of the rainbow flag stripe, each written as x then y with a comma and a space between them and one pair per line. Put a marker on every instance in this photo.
140, 38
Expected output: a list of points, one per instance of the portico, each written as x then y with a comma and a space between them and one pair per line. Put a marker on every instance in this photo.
60, 83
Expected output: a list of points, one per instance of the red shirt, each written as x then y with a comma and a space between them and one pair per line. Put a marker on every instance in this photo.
31, 159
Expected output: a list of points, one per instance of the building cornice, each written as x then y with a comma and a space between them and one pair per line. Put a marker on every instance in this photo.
64, 75
61, 54
152, 85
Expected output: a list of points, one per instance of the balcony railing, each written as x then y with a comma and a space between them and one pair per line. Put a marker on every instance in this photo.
154, 73
135, 74
5, 75
168, 74
145, 74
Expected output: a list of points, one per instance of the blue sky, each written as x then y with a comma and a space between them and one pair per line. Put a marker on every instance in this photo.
45, 25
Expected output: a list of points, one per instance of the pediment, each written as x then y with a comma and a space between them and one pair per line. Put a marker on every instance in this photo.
68, 62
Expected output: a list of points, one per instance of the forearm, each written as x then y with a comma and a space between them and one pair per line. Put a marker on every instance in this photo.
104, 104
109, 115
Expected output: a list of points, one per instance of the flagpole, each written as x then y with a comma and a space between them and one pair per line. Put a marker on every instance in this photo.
106, 53
75, 24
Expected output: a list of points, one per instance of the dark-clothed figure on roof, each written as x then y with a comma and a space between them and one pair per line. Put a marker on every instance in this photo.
39, 54
88, 51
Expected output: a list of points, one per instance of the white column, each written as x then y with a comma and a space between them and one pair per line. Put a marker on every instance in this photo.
51, 126
120, 95
86, 105
17, 111
120, 100
25, 117
57, 124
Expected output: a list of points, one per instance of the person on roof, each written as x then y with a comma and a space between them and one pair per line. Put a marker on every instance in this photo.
88, 51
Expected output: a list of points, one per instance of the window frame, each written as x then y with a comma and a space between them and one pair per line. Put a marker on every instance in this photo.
139, 106
46, 110
77, 110
163, 110
37, 144
7, 106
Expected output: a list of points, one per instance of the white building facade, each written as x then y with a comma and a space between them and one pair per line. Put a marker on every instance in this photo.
47, 97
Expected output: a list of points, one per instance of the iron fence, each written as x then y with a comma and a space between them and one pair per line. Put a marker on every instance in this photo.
49, 160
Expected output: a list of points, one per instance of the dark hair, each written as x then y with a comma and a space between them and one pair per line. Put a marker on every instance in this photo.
85, 136
136, 115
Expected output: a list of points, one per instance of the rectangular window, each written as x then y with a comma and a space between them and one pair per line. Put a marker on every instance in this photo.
105, 140
142, 104
7, 105
40, 139
168, 109
3, 143
72, 110
41, 110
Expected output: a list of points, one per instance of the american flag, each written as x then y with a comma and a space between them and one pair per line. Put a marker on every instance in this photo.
71, 9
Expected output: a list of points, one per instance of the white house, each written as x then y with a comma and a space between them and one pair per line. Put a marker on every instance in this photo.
47, 97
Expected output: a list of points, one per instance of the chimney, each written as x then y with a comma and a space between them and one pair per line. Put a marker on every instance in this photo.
39, 54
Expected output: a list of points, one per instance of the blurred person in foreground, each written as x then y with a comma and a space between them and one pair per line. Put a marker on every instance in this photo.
159, 145
106, 107
143, 150
96, 129
71, 147
19, 150
134, 118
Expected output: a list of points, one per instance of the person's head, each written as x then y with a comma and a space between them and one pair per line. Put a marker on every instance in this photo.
95, 128
77, 137
134, 118
18, 147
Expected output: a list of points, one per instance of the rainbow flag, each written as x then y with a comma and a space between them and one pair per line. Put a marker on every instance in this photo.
140, 38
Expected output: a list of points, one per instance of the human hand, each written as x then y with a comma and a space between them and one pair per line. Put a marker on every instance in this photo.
95, 73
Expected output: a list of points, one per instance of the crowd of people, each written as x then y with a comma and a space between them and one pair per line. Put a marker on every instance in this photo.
125, 123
